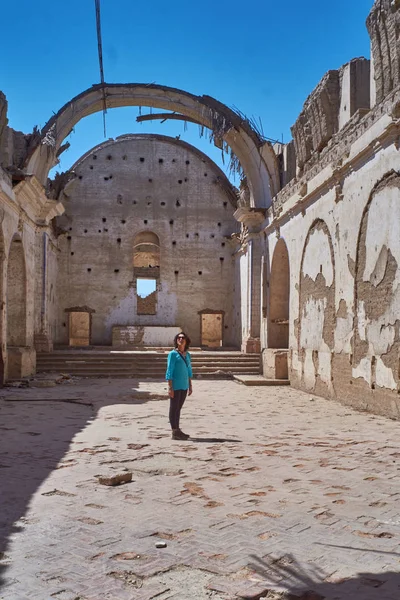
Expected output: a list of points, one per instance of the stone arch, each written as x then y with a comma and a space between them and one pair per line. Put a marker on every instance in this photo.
376, 339
256, 156
317, 318
279, 292
16, 294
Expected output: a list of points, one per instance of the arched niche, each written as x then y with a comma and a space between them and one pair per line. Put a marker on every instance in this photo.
257, 157
279, 293
317, 317
146, 254
2, 324
376, 339
16, 294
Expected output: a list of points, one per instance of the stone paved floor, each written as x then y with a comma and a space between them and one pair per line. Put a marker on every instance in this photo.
278, 490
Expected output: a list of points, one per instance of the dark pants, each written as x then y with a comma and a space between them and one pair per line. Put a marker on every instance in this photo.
175, 407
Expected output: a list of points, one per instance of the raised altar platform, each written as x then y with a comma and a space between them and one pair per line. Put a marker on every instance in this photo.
143, 335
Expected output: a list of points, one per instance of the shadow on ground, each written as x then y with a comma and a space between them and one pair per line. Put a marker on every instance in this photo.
36, 429
308, 582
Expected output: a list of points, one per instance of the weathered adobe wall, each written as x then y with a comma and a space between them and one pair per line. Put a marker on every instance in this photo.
345, 290
136, 184
340, 220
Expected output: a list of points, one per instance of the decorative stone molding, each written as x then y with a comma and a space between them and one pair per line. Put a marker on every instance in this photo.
251, 217
30, 196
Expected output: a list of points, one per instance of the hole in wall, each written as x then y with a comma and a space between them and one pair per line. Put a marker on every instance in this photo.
176, 272
150, 181
160, 160
85, 231
221, 258
177, 203
91, 167
223, 244
145, 221
105, 230
104, 219
116, 270
99, 230
187, 162
72, 253
134, 202
185, 179
173, 160
200, 272
109, 157
174, 243
89, 270
187, 235
171, 222
80, 177
119, 240
64, 324
179, 180
225, 204
162, 203
110, 177
68, 237
105, 178
196, 235
70, 229
219, 224
205, 174
141, 159
119, 199
212, 235
94, 156
123, 221
124, 157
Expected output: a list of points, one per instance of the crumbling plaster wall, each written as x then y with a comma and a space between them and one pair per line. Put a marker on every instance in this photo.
146, 183
344, 242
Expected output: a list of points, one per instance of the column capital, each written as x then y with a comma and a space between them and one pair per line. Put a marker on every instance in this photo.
250, 217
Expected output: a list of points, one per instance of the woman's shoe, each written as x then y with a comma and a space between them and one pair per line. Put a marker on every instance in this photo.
184, 435
177, 435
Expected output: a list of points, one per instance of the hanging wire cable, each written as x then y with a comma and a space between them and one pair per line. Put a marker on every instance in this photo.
100, 51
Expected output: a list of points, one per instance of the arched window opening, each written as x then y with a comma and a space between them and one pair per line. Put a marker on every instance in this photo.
146, 271
279, 292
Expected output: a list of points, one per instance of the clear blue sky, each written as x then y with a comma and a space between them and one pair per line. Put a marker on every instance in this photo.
261, 56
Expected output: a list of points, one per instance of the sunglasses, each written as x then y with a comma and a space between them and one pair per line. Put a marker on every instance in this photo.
181, 337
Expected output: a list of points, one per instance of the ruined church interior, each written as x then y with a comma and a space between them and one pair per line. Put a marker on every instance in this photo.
293, 275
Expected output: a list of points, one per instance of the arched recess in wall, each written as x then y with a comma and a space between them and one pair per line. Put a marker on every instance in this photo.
376, 340
279, 291
255, 155
2, 324
16, 294
146, 254
316, 323
146, 271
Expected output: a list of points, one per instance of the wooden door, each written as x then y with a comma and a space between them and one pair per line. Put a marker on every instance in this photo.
79, 329
211, 329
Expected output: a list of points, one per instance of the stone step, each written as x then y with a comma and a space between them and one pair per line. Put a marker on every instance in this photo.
259, 380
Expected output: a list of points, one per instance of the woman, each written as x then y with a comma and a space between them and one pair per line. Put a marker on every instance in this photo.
179, 376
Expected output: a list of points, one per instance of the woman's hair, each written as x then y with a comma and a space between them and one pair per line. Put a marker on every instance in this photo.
187, 339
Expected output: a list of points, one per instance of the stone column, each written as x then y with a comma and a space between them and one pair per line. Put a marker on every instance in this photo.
251, 220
